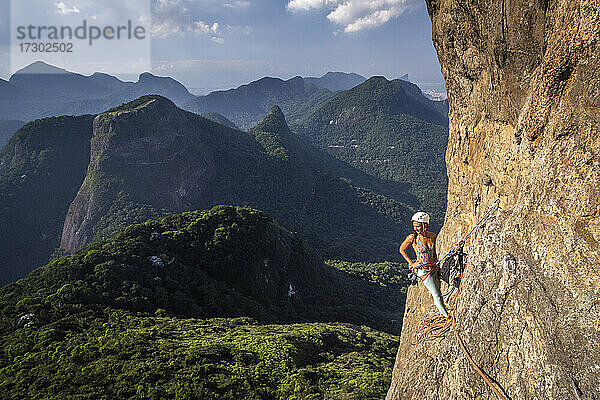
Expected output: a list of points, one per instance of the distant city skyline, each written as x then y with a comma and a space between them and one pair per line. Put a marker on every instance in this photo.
210, 45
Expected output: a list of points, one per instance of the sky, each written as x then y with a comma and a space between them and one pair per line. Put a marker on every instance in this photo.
210, 45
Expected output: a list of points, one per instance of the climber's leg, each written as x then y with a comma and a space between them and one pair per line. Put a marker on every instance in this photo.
432, 283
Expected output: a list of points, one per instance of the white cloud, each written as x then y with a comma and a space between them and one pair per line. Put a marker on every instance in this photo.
308, 4
64, 9
202, 27
241, 30
173, 18
217, 40
356, 15
237, 4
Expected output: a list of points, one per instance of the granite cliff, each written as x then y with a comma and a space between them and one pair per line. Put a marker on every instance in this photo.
523, 80
125, 178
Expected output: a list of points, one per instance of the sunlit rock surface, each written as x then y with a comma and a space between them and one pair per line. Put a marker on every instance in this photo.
524, 92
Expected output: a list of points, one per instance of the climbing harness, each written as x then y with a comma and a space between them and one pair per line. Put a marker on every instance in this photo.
451, 271
424, 256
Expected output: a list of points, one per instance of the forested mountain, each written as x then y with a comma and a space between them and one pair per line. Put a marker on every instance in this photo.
246, 105
215, 117
149, 158
175, 307
178, 286
41, 169
387, 129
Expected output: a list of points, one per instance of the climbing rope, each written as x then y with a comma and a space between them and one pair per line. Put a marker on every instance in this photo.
479, 371
436, 326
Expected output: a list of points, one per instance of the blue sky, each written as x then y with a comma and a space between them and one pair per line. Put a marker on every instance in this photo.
211, 44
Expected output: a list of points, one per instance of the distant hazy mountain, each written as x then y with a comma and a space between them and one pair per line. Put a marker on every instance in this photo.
109, 81
41, 90
152, 84
40, 78
10, 92
337, 81
7, 128
247, 104
387, 129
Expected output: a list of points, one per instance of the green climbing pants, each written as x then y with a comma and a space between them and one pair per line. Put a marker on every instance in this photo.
432, 283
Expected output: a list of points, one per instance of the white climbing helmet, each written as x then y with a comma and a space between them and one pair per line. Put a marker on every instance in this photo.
421, 217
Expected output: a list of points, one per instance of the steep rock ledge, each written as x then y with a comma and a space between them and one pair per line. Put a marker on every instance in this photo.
523, 81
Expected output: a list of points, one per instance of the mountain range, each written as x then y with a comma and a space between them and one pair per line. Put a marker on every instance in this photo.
246, 105
42, 90
387, 129
335, 81
148, 158
130, 164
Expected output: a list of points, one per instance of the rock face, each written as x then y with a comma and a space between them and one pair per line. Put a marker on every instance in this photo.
523, 81
142, 160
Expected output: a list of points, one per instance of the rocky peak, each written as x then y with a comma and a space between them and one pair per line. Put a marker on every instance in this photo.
144, 160
40, 67
274, 122
147, 76
522, 80
276, 138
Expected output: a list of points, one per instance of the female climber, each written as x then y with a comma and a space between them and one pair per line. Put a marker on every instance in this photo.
423, 243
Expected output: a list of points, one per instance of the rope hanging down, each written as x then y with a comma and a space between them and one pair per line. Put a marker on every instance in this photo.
437, 326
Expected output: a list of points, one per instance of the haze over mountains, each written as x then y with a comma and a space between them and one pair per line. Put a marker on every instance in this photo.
335, 81
246, 104
42, 90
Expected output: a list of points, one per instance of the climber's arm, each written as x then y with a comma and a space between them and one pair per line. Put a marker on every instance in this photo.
404, 246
